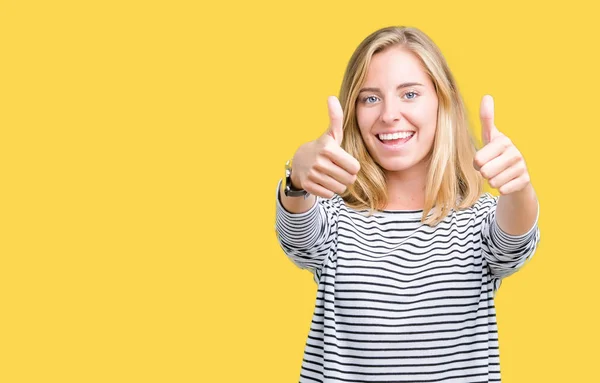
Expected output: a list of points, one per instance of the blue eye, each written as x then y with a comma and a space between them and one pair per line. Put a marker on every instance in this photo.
370, 99
411, 98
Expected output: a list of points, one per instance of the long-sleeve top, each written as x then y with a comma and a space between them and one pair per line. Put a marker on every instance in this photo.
398, 300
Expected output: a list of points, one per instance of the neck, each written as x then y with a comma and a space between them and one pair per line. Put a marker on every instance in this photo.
406, 189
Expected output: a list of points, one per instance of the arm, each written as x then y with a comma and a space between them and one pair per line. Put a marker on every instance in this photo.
517, 212
296, 204
306, 228
504, 252
308, 237
510, 233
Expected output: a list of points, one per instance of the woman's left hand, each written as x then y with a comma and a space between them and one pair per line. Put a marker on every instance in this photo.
499, 161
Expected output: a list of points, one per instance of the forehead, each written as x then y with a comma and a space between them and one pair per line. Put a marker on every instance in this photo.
393, 66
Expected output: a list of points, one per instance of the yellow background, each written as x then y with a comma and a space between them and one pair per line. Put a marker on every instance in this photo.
140, 147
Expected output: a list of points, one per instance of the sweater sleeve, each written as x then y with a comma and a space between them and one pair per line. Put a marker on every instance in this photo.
307, 238
505, 253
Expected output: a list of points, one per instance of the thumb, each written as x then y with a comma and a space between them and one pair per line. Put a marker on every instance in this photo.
486, 113
336, 118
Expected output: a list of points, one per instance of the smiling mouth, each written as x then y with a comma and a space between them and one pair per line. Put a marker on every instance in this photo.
394, 139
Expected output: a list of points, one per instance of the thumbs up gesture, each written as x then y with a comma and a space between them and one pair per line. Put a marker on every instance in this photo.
499, 161
322, 167
336, 120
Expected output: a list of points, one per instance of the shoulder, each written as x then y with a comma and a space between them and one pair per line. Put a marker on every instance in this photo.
484, 203
333, 204
475, 215
480, 208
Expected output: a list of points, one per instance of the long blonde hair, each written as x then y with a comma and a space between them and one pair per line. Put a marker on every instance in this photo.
452, 181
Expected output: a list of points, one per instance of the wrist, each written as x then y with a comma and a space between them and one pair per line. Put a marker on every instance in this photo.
291, 188
294, 180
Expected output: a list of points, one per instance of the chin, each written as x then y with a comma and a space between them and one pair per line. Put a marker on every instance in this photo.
397, 169
398, 164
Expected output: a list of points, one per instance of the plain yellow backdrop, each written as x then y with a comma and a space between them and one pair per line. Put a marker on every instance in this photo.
140, 147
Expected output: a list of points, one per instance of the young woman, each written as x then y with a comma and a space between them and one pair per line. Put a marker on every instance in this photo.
386, 209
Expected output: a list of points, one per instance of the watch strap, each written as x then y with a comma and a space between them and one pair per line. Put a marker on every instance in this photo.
290, 190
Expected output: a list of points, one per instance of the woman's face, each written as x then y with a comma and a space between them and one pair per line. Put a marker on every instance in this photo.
397, 110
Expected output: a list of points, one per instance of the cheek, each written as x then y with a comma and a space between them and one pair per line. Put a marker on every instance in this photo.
425, 118
432, 113
366, 119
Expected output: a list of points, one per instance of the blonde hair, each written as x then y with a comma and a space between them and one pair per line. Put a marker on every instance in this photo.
452, 181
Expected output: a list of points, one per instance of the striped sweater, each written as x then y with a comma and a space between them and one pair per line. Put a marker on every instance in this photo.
397, 300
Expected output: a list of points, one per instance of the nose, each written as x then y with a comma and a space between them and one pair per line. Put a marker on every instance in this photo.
391, 112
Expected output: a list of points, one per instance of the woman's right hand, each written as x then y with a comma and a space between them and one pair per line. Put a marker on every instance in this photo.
322, 167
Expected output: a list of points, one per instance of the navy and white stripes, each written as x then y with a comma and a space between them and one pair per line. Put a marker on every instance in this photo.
399, 301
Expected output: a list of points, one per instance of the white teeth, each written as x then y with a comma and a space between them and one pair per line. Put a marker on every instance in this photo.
394, 136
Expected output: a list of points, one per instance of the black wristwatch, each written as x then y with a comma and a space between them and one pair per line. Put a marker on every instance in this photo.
290, 190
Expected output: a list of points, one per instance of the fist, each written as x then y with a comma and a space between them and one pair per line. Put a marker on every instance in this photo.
322, 167
499, 161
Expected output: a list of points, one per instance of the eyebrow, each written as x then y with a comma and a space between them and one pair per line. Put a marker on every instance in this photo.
404, 85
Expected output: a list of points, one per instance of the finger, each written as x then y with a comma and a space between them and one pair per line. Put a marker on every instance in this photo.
491, 151
514, 171
486, 113
336, 116
318, 190
515, 185
497, 165
326, 182
336, 172
342, 159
